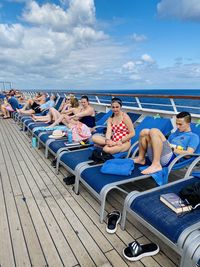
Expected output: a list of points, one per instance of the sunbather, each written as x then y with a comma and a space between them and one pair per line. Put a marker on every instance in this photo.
161, 151
10, 104
86, 114
119, 132
57, 117
32, 106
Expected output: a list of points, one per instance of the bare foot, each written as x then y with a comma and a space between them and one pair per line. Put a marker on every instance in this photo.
33, 117
139, 160
152, 169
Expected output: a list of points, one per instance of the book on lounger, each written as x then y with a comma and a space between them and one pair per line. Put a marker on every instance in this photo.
175, 203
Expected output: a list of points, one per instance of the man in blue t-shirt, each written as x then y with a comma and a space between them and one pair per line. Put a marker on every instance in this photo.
161, 151
10, 104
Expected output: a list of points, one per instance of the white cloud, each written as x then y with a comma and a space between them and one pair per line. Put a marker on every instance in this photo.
43, 47
61, 47
147, 58
11, 36
79, 13
181, 9
138, 37
130, 66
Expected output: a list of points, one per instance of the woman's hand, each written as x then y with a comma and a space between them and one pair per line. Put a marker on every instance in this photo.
119, 143
109, 142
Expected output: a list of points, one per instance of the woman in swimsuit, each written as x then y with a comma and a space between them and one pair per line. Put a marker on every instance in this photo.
119, 132
86, 114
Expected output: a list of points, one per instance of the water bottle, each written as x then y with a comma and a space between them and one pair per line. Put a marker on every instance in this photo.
34, 142
69, 133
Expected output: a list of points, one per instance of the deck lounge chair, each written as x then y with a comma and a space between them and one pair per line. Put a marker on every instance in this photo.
181, 233
56, 147
73, 161
103, 183
29, 123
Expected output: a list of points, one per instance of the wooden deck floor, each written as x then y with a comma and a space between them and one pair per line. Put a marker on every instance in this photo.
43, 223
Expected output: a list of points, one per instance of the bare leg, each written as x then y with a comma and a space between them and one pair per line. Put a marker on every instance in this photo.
28, 103
157, 139
27, 112
57, 121
45, 118
144, 140
116, 149
6, 113
54, 113
99, 140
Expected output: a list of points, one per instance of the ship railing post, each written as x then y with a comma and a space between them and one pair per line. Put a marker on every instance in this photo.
138, 102
97, 99
173, 105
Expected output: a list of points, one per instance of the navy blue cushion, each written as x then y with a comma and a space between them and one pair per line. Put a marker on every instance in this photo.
27, 121
74, 158
54, 146
44, 137
97, 180
152, 210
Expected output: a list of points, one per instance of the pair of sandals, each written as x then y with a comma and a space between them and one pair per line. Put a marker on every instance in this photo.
134, 251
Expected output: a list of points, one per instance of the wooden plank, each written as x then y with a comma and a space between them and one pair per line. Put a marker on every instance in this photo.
54, 258
6, 250
65, 254
20, 252
59, 227
79, 226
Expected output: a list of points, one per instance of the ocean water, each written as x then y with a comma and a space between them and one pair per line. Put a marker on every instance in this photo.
156, 103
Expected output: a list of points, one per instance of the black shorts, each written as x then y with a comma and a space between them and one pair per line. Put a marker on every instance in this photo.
36, 107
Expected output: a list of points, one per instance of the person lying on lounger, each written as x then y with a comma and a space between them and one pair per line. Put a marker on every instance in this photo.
33, 106
119, 132
10, 104
161, 151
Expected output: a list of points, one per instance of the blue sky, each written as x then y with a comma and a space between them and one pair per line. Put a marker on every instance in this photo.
100, 44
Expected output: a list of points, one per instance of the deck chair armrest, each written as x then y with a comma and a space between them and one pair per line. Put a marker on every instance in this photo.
191, 167
135, 150
180, 157
99, 126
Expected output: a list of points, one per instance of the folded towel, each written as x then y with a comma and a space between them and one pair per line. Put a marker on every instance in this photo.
44, 128
118, 166
161, 177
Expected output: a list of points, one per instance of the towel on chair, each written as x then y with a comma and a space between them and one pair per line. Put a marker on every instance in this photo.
44, 128
160, 177
118, 166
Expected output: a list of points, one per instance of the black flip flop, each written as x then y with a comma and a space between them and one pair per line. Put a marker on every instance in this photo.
135, 251
69, 180
113, 218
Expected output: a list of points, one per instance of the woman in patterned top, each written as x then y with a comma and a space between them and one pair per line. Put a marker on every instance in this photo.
119, 132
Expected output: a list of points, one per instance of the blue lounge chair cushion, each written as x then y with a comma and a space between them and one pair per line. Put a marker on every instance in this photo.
118, 167
94, 178
162, 218
74, 158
